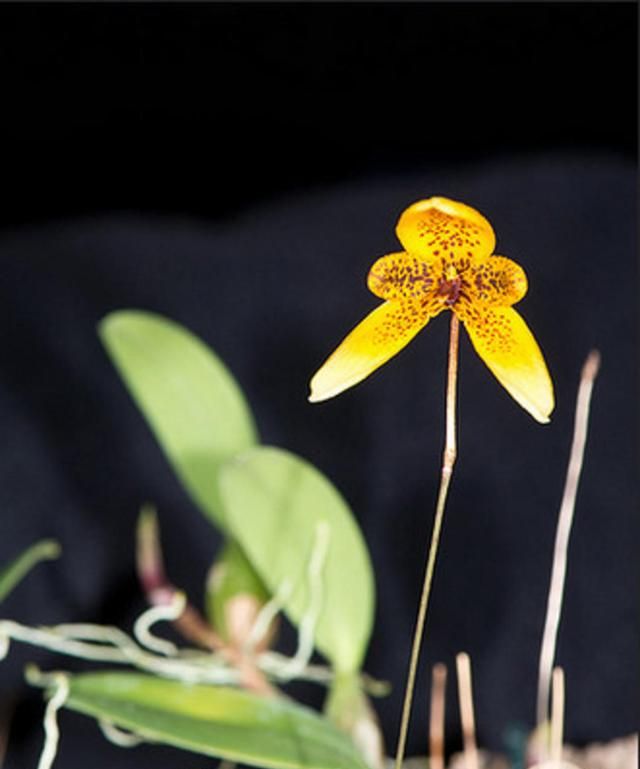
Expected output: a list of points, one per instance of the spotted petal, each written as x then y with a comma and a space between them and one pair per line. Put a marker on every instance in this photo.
382, 334
441, 229
401, 276
504, 342
497, 282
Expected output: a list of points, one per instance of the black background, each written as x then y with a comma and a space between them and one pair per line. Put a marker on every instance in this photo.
238, 167
203, 108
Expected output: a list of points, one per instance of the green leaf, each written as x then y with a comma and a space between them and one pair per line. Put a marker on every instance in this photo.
215, 721
44, 550
192, 403
234, 594
349, 708
276, 506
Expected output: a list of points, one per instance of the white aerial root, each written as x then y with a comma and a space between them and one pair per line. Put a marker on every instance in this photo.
98, 643
162, 613
60, 682
4, 645
119, 737
109, 644
62, 639
267, 614
297, 666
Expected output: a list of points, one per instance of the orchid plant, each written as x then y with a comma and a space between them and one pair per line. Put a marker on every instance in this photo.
290, 544
447, 265
290, 541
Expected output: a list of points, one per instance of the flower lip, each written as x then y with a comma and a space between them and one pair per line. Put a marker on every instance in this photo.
451, 289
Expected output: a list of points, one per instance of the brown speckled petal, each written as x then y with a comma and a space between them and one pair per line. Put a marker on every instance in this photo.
401, 276
382, 334
439, 229
498, 281
504, 342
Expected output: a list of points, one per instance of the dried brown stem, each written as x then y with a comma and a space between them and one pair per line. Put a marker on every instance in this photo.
436, 720
563, 531
467, 717
557, 715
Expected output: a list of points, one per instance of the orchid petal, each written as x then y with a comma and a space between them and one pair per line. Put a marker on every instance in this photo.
441, 229
504, 342
499, 282
380, 336
401, 276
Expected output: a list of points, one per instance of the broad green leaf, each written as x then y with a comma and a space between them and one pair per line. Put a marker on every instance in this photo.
280, 509
215, 721
192, 403
10, 575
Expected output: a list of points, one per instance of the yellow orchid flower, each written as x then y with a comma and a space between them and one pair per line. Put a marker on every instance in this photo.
447, 265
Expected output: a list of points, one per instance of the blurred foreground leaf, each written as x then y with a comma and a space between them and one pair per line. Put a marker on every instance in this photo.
192, 403
215, 721
349, 708
234, 596
276, 506
10, 575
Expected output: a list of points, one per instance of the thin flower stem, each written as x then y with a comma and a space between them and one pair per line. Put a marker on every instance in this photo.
563, 531
448, 460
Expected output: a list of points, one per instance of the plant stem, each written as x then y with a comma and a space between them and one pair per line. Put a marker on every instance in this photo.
436, 721
448, 460
557, 715
467, 716
563, 532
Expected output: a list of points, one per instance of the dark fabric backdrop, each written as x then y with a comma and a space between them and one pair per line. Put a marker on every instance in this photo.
238, 168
